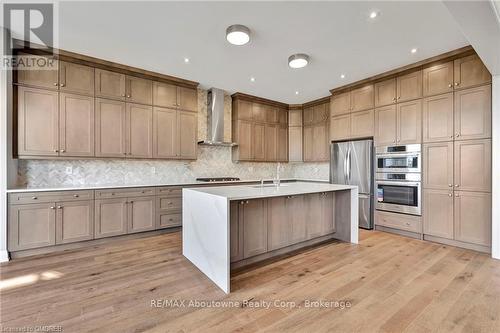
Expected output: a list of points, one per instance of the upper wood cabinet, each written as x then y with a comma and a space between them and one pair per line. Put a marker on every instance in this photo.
282, 154
437, 115
139, 125
340, 127
385, 92
295, 117
271, 142
409, 122
308, 115
362, 98
438, 79
470, 71
38, 122
43, 78
258, 142
242, 110
295, 144
165, 95
188, 133
473, 217
139, 90
188, 99
437, 165
110, 128
283, 116
473, 113
272, 115
320, 113
308, 144
259, 112
385, 125
362, 124
242, 134
76, 78
473, 165
110, 84
340, 104
409, 86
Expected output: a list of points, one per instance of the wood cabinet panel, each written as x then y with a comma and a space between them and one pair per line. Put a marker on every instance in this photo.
282, 154
139, 131
39, 78
244, 110
109, 84
385, 125
473, 165
295, 206
76, 125
362, 98
38, 122
473, 217
340, 127
470, 71
111, 128
272, 115
437, 166
141, 214
362, 124
139, 90
409, 122
385, 92
438, 213
74, 221
320, 113
258, 142
271, 142
259, 112
31, 226
399, 221
327, 213
110, 217
236, 233
473, 113
295, 118
313, 214
340, 104
308, 143
243, 136
295, 144
164, 95
165, 137
437, 114
308, 116
320, 140
278, 224
188, 132
254, 214
283, 116
168, 220
409, 86
188, 99
438, 79
76, 78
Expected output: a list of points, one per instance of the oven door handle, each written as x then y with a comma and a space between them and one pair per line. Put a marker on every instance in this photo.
385, 182
398, 155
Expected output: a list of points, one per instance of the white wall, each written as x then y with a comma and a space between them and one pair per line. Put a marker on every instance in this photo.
495, 249
4, 143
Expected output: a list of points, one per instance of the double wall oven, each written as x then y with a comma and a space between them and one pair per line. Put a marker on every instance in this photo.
398, 179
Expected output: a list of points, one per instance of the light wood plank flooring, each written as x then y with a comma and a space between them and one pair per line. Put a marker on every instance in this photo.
393, 284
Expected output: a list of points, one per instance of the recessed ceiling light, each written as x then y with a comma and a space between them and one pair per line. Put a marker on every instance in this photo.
342, 76
413, 50
252, 79
373, 14
296, 93
238, 34
186, 60
298, 60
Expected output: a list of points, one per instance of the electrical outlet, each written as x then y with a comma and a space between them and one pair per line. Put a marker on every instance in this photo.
69, 170
153, 170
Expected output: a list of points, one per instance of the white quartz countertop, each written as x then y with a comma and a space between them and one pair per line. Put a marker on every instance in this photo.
243, 192
173, 183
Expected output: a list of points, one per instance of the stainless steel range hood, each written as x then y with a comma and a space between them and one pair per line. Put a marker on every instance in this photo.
215, 121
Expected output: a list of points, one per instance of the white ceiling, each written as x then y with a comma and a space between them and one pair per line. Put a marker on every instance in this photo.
338, 36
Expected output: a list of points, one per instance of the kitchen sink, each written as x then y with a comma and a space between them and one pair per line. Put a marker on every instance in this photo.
267, 185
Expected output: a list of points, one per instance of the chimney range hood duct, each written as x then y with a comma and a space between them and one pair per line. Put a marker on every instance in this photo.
215, 121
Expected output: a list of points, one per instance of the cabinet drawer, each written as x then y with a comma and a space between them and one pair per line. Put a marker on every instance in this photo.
169, 203
124, 193
168, 220
35, 197
169, 191
398, 221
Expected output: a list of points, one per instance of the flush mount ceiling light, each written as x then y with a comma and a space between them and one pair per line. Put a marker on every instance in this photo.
298, 60
342, 76
414, 50
238, 34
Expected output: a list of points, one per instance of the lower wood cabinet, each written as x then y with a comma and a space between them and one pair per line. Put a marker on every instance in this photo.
74, 221
320, 214
141, 214
111, 217
438, 213
254, 219
399, 221
473, 217
278, 231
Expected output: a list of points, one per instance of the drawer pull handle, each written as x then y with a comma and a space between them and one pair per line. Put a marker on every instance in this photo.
34, 198
75, 195
170, 219
52, 207
59, 207
407, 223
112, 194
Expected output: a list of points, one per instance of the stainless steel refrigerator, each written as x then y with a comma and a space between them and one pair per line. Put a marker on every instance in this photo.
351, 163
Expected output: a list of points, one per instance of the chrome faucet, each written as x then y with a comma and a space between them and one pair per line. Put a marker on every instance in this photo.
277, 181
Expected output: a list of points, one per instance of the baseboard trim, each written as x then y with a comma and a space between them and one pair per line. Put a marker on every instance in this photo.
4, 256
399, 232
451, 242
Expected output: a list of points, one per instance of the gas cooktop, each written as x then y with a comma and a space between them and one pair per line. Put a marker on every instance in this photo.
217, 179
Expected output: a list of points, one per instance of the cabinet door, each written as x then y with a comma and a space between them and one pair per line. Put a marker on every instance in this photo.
319, 113
74, 221
283, 116
473, 165
259, 112
385, 92
362, 124
31, 226
409, 86
258, 142
271, 142
340, 127
438, 165
139, 90
110, 217
38, 122
236, 232
282, 143
272, 115
473, 217
308, 116
242, 134
438, 79
320, 149
327, 213
254, 215
188, 99
277, 224
295, 144
340, 104
295, 117
308, 143
470, 71
141, 214
43, 78
409, 122
385, 125
244, 110
165, 140
164, 95
473, 113
76, 78
76, 125
295, 206
313, 215
438, 213
362, 98
188, 133
139, 131
109, 84
111, 128
438, 118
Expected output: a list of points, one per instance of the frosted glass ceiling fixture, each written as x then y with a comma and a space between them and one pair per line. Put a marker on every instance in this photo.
298, 60
238, 34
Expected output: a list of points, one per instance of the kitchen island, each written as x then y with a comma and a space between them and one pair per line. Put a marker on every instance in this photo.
233, 226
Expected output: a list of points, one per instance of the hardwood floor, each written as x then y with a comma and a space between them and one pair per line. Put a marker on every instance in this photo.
392, 283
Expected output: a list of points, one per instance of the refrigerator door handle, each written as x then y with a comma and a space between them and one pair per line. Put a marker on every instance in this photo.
348, 162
